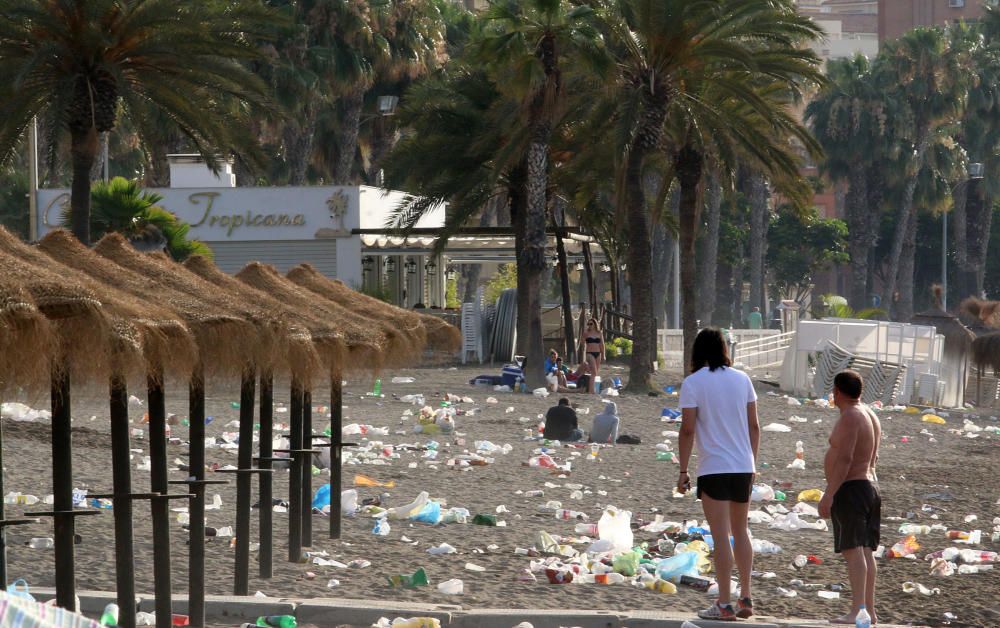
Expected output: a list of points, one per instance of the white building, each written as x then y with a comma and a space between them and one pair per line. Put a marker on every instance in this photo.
285, 226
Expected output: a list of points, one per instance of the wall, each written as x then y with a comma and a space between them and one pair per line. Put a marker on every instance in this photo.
896, 17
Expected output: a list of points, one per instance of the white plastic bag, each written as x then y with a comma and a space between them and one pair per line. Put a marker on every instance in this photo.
616, 526
409, 510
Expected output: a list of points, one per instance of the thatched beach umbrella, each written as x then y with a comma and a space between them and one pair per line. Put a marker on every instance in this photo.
233, 338
88, 342
26, 342
167, 345
985, 355
955, 358
328, 348
436, 335
411, 330
367, 346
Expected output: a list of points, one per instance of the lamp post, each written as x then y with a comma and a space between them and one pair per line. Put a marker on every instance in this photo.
975, 171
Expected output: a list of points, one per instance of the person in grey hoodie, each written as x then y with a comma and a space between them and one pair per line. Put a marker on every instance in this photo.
605, 427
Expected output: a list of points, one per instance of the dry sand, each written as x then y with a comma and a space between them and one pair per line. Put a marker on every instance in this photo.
956, 475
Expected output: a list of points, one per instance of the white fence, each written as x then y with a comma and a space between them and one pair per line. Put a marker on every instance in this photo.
670, 344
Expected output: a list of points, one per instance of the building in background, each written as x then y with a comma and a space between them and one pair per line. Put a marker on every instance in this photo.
896, 17
851, 27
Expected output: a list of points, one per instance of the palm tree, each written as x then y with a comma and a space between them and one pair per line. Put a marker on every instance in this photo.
927, 86
849, 119
523, 53
980, 137
81, 63
662, 48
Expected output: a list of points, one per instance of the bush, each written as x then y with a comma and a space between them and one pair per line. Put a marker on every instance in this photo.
505, 279
621, 347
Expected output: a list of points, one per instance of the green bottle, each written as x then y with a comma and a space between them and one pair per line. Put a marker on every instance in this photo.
484, 520
377, 391
110, 616
665, 455
779, 496
277, 621
235, 405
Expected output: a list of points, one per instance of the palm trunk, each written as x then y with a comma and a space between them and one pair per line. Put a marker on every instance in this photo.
83, 151
858, 223
662, 256
979, 251
638, 254
710, 252
588, 268
689, 164
347, 137
298, 137
531, 263
759, 214
905, 216
904, 308
567, 299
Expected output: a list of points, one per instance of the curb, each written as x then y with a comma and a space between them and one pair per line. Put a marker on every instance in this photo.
223, 609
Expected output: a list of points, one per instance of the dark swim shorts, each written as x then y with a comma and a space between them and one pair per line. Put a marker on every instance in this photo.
729, 487
856, 513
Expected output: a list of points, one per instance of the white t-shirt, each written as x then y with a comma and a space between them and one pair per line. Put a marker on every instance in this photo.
721, 431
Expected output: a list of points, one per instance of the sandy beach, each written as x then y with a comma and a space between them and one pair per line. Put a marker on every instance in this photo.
942, 477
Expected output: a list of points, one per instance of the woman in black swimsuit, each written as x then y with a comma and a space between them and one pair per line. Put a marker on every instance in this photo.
593, 342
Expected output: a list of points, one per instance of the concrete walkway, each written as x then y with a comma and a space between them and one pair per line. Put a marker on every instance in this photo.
330, 612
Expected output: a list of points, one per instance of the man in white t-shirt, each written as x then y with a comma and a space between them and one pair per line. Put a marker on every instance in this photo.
719, 413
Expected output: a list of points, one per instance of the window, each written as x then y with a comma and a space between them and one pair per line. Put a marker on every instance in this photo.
956, 4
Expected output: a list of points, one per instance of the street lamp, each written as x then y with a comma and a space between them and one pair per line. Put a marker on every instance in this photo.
451, 273
390, 264
367, 263
410, 266
975, 171
431, 268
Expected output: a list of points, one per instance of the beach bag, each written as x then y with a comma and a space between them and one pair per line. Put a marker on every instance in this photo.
19, 589
629, 439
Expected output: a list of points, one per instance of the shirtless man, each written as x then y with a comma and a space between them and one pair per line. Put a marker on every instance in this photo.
852, 499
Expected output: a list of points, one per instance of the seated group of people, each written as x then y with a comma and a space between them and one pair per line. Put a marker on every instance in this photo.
558, 376
561, 423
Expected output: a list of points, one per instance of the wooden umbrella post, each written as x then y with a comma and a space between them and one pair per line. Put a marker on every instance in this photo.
160, 505
295, 475
62, 491
121, 467
336, 449
241, 577
196, 521
306, 469
265, 554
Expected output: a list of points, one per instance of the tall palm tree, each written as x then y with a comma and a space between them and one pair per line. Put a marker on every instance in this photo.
662, 48
82, 62
523, 52
927, 86
849, 119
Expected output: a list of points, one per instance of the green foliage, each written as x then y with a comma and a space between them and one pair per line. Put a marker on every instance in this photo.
451, 294
620, 347
799, 246
504, 279
835, 306
381, 293
121, 206
14, 203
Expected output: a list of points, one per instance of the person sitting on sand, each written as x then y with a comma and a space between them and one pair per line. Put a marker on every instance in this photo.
561, 423
852, 500
605, 427
556, 377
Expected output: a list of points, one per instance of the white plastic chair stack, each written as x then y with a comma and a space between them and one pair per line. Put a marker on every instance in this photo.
471, 328
832, 360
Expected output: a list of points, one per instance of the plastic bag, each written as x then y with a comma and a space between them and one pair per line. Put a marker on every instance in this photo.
776, 427
348, 499
616, 526
627, 563
19, 589
410, 510
683, 564
430, 513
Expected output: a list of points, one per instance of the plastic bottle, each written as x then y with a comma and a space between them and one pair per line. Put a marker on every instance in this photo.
589, 529
666, 455
41, 543
975, 556
110, 615
377, 390
566, 515
602, 578
597, 384
863, 619
277, 621
912, 528
799, 451
452, 587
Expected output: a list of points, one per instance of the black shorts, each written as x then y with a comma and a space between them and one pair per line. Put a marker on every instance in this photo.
856, 514
726, 487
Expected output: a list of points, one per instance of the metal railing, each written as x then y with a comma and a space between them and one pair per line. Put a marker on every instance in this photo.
764, 352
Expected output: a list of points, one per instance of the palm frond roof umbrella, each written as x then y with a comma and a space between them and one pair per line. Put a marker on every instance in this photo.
166, 341
231, 334
310, 341
406, 332
986, 351
26, 338
88, 340
438, 334
366, 345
